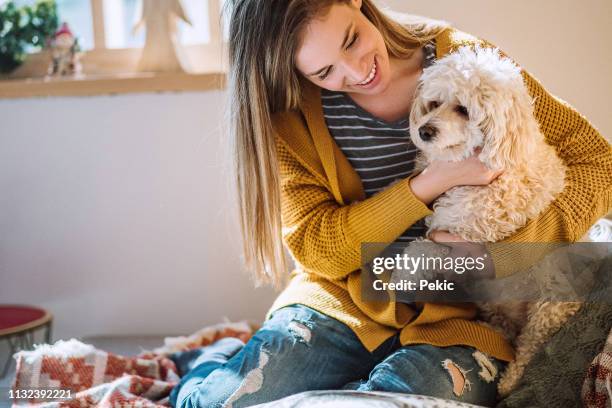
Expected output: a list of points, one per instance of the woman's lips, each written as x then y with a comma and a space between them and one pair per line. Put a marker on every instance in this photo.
374, 80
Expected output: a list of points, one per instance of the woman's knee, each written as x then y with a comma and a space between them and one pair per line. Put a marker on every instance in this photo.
267, 368
386, 378
458, 373
297, 349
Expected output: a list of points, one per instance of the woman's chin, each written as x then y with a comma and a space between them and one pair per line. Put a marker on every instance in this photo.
378, 90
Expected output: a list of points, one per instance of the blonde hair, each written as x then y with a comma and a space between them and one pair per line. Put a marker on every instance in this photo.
263, 38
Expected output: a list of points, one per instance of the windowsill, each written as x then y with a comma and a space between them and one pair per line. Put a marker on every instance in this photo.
111, 84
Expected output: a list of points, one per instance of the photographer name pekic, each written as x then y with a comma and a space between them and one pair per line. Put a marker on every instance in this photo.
412, 286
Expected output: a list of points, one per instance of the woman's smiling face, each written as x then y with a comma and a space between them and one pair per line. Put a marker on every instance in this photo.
343, 51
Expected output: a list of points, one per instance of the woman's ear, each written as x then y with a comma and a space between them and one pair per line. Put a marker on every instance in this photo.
356, 4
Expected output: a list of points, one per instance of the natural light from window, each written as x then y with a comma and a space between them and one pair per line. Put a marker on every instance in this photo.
77, 13
120, 16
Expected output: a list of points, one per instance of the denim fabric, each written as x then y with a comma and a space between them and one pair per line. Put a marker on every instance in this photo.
299, 349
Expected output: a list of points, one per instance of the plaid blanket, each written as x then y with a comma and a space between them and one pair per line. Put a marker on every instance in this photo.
98, 378
597, 386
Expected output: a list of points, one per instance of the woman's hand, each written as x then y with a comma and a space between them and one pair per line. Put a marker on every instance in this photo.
441, 176
444, 237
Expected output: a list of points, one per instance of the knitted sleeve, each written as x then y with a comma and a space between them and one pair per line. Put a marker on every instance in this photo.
588, 192
325, 237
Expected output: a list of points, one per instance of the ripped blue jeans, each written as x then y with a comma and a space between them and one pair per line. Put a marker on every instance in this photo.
299, 349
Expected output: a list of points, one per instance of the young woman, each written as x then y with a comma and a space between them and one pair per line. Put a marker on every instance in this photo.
320, 95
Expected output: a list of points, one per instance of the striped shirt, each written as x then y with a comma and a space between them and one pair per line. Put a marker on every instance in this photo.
379, 151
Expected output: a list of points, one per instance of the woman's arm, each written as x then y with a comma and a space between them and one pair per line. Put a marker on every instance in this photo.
441, 176
325, 237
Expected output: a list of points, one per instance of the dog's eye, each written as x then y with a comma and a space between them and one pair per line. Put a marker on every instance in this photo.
432, 105
462, 110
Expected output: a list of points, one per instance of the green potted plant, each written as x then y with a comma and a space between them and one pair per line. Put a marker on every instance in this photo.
22, 28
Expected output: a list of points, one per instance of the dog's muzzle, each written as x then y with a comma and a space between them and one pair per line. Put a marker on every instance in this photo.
427, 132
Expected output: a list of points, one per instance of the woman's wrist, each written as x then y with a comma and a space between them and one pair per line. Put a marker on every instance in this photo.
426, 187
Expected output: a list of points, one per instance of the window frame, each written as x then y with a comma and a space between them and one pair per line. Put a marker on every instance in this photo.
105, 62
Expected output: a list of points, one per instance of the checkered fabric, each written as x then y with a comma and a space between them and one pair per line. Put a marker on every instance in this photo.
597, 386
101, 379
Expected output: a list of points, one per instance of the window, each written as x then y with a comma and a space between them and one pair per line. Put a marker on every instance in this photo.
105, 32
120, 16
77, 13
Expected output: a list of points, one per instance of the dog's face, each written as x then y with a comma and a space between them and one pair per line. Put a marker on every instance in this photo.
464, 101
447, 133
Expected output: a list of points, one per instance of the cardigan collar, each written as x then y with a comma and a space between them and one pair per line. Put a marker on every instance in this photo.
347, 188
330, 162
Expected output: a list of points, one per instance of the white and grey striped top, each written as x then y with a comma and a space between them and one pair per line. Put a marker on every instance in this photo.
379, 151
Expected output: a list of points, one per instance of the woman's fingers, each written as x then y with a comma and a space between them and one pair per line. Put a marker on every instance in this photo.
482, 174
468, 172
444, 236
497, 173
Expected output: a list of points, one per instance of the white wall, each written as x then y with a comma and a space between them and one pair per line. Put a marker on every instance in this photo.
114, 211
116, 214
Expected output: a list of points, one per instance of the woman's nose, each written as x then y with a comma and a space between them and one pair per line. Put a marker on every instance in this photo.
355, 69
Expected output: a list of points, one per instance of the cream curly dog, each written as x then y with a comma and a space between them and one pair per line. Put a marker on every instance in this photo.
475, 98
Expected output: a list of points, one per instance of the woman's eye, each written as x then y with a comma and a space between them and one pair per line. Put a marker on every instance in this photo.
462, 110
433, 105
353, 40
325, 74
350, 44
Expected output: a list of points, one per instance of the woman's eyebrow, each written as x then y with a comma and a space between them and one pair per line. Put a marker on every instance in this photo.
344, 41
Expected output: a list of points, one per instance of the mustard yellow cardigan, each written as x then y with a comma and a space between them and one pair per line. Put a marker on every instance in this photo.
326, 218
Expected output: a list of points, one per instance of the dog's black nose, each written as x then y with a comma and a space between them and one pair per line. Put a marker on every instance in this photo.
427, 133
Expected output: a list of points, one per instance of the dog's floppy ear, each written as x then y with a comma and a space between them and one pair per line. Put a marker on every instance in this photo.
508, 124
418, 109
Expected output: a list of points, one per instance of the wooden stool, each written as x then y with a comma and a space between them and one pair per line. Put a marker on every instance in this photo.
17, 324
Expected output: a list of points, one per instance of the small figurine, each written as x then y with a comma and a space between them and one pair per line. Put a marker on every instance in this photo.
65, 53
162, 51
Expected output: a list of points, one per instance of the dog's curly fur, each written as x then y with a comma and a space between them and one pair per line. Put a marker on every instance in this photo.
475, 98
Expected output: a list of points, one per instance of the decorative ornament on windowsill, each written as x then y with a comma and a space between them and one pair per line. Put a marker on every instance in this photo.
162, 51
65, 53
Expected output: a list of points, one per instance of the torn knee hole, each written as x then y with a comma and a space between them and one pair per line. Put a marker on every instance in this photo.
252, 381
301, 331
488, 371
458, 377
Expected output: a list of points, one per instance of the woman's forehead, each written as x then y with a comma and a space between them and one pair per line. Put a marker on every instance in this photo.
323, 37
